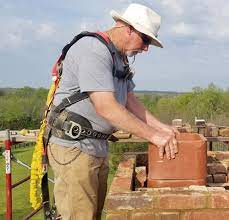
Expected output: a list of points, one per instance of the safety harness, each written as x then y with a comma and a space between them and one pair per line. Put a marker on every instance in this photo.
68, 125
72, 126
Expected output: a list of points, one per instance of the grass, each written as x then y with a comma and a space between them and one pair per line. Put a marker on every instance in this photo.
21, 205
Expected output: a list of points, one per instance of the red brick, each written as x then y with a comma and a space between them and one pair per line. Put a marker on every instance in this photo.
218, 185
143, 216
211, 157
201, 131
213, 168
207, 215
218, 155
224, 132
198, 188
124, 170
128, 162
121, 184
226, 164
219, 200
211, 130
222, 155
140, 177
219, 178
209, 178
118, 216
157, 216
185, 200
168, 216
131, 201
184, 129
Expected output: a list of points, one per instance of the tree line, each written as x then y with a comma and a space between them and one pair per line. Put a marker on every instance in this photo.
23, 107
211, 104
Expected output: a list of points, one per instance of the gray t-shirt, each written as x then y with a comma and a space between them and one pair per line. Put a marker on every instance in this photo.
88, 67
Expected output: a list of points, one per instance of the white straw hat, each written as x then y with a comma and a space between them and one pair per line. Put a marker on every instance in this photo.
143, 19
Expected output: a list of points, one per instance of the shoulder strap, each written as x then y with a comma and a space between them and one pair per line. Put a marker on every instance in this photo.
78, 96
117, 71
99, 35
103, 39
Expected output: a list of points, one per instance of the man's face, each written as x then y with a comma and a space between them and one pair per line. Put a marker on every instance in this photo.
137, 42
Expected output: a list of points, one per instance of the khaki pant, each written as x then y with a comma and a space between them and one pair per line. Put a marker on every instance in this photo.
81, 185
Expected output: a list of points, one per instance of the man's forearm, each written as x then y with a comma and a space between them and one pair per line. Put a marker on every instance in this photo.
107, 107
121, 118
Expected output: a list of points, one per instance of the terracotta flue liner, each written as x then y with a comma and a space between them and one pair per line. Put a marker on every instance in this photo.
188, 168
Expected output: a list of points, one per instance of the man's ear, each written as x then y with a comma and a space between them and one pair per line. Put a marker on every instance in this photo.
129, 30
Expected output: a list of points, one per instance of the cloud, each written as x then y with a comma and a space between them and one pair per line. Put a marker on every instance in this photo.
12, 40
174, 6
45, 30
85, 25
218, 17
21, 32
183, 29
196, 18
13, 35
195, 34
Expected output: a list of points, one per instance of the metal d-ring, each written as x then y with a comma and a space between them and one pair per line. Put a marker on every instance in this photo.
75, 128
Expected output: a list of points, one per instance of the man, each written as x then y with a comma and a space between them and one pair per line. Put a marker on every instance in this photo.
81, 165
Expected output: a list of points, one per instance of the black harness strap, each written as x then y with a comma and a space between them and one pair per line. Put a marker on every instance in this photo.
84, 34
72, 99
45, 197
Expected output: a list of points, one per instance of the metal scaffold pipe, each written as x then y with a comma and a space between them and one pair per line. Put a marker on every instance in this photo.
8, 176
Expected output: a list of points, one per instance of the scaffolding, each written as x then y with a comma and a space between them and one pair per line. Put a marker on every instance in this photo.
9, 186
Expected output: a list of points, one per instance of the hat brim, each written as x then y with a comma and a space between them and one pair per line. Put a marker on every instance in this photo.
116, 16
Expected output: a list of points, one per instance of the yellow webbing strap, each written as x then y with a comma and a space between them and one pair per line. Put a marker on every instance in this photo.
36, 165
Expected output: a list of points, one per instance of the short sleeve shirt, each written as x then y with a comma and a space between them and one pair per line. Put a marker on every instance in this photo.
88, 67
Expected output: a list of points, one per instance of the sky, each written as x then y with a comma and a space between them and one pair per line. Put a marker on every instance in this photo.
195, 35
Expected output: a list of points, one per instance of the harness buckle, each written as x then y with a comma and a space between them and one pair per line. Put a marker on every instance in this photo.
74, 131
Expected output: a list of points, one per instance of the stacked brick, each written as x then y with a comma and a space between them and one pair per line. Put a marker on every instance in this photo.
224, 132
206, 129
218, 168
126, 202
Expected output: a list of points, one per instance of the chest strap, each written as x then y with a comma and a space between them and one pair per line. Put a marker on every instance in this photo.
72, 99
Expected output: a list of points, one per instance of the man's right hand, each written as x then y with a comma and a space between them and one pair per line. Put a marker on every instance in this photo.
166, 143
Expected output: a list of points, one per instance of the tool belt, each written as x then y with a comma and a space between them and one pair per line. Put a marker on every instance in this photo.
71, 126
